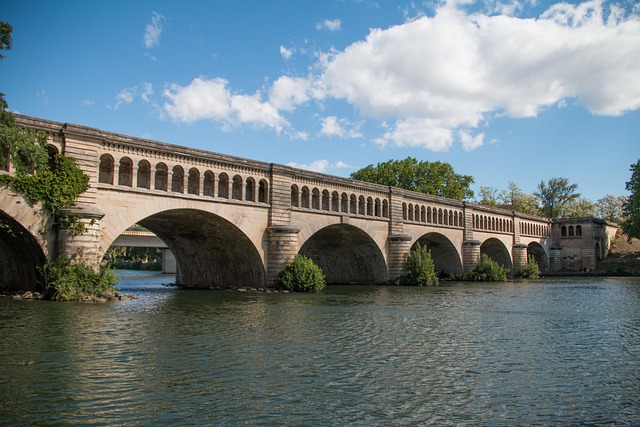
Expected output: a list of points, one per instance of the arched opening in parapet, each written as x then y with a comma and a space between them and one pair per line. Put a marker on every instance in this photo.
446, 258
346, 255
539, 254
209, 250
497, 251
20, 256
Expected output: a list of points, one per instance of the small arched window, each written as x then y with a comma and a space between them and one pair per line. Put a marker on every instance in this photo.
305, 197
315, 199
105, 174
193, 182
335, 201
578, 230
325, 200
144, 174
353, 204
160, 180
571, 231
385, 208
236, 188
208, 184
563, 231
294, 196
125, 172
250, 190
223, 186
362, 207
344, 205
263, 191
177, 179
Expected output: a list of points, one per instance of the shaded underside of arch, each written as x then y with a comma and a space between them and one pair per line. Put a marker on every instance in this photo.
539, 254
346, 255
497, 251
444, 254
20, 256
209, 250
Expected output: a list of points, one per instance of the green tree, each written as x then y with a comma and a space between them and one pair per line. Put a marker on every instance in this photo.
554, 196
488, 196
580, 207
435, 178
302, 275
631, 209
610, 208
420, 266
514, 198
5, 37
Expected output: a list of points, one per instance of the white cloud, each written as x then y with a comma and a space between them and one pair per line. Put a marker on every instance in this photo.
440, 77
87, 103
340, 128
125, 96
469, 142
286, 93
211, 100
329, 24
147, 91
153, 30
286, 53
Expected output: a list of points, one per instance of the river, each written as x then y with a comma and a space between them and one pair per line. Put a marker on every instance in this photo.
550, 352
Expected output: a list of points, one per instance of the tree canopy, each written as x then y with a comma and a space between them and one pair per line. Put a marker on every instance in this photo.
437, 178
555, 195
631, 209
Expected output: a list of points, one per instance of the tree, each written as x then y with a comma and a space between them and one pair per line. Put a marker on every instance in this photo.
580, 207
610, 208
554, 196
435, 178
488, 196
631, 208
514, 198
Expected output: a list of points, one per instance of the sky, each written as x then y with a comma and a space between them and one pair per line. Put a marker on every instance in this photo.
516, 91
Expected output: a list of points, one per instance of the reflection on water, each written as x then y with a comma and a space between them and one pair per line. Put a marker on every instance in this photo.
561, 353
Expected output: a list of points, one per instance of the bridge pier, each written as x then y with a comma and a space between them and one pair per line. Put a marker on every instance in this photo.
399, 247
470, 254
282, 248
85, 245
520, 257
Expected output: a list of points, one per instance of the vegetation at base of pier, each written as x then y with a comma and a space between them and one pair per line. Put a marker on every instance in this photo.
437, 178
528, 271
631, 209
420, 268
487, 270
69, 279
302, 275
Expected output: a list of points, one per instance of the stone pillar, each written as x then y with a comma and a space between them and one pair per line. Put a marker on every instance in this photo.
399, 247
519, 256
282, 248
555, 258
85, 246
470, 254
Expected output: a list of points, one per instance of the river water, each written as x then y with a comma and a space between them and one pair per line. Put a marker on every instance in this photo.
550, 352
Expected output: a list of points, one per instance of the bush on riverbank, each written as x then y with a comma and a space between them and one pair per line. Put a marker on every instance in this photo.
68, 279
487, 271
528, 271
302, 275
420, 267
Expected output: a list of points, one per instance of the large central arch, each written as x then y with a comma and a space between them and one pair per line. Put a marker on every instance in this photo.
346, 255
209, 250
497, 251
444, 254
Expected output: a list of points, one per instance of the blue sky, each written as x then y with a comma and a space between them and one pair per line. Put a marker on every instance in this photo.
517, 91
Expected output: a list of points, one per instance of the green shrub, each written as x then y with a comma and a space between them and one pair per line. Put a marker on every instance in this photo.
302, 275
68, 279
420, 266
488, 271
530, 270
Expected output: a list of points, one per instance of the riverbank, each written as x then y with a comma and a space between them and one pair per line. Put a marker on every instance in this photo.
44, 296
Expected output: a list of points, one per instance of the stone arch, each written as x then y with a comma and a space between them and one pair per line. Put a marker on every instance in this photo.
210, 251
143, 179
161, 177
497, 251
236, 188
326, 201
250, 190
335, 202
223, 186
20, 256
347, 255
295, 196
538, 252
125, 172
208, 184
305, 197
344, 203
177, 179
193, 181
443, 252
105, 170
315, 199
263, 191
353, 204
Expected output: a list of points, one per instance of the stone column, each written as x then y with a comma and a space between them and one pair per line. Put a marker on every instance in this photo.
85, 246
470, 254
282, 248
519, 256
399, 247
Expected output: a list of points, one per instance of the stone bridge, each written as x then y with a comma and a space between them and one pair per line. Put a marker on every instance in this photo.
231, 221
